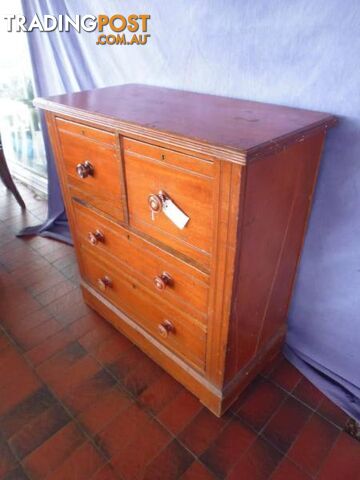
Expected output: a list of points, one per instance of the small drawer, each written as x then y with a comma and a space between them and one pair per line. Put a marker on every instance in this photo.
165, 275
154, 173
93, 166
175, 330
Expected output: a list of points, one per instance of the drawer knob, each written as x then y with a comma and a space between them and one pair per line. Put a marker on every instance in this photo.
104, 283
165, 328
84, 169
162, 281
155, 202
95, 237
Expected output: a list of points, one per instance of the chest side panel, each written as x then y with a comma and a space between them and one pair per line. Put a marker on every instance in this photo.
277, 202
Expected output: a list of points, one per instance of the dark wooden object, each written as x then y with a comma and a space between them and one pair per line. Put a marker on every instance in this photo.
207, 302
7, 180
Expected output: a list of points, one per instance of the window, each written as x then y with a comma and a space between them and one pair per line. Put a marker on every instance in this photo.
19, 121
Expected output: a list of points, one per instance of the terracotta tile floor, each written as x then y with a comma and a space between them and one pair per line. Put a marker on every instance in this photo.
79, 401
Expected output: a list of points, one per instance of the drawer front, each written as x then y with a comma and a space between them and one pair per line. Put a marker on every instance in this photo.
187, 181
93, 167
168, 277
178, 332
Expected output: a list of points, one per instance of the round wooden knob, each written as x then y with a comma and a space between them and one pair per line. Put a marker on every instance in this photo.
155, 202
84, 169
103, 283
165, 328
161, 281
95, 237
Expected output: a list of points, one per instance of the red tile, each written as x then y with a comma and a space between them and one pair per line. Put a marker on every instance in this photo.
4, 342
308, 393
85, 324
132, 457
261, 399
332, 412
43, 279
313, 444
159, 393
179, 412
286, 470
286, 375
56, 255
197, 471
17, 391
122, 430
104, 410
285, 425
35, 271
49, 347
7, 460
343, 461
28, 339
71, 272
171, 463
34, 433
65, 261
12, 364
17, 474
26, 322
126, 363
55, 291
57, 366
202, 431
228, 447
142, 376
54, 451
111, 349
257, 463
61, 339
32, 406
69, 307
17, 310
82, 370
87, 392
80, 465
91, 340
105, 473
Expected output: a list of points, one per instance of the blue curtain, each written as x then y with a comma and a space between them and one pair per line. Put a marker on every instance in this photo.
59, 66
301, 53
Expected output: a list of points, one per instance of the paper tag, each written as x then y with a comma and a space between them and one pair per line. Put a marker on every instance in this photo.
174, 213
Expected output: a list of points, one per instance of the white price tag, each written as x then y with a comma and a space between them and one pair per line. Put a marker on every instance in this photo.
177, 216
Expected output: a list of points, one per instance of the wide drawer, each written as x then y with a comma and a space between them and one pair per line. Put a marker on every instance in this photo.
168, 277
177, 331
93, 166
188, 181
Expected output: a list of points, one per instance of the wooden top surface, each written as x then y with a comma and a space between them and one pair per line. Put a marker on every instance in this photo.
240, 125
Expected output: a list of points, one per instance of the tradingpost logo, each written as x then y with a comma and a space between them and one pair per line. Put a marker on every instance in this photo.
113, 30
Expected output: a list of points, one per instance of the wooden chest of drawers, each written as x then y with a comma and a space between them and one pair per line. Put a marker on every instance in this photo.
208, 301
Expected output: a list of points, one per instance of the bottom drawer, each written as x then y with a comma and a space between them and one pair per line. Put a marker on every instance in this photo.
178, 332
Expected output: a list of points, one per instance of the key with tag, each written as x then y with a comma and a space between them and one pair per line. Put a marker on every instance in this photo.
173, 212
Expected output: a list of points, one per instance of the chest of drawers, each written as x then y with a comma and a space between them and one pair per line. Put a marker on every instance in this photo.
208, 301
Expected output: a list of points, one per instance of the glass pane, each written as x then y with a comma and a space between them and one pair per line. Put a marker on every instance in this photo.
19, 121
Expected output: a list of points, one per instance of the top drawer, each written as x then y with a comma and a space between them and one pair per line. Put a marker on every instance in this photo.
157, 173
93, 167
